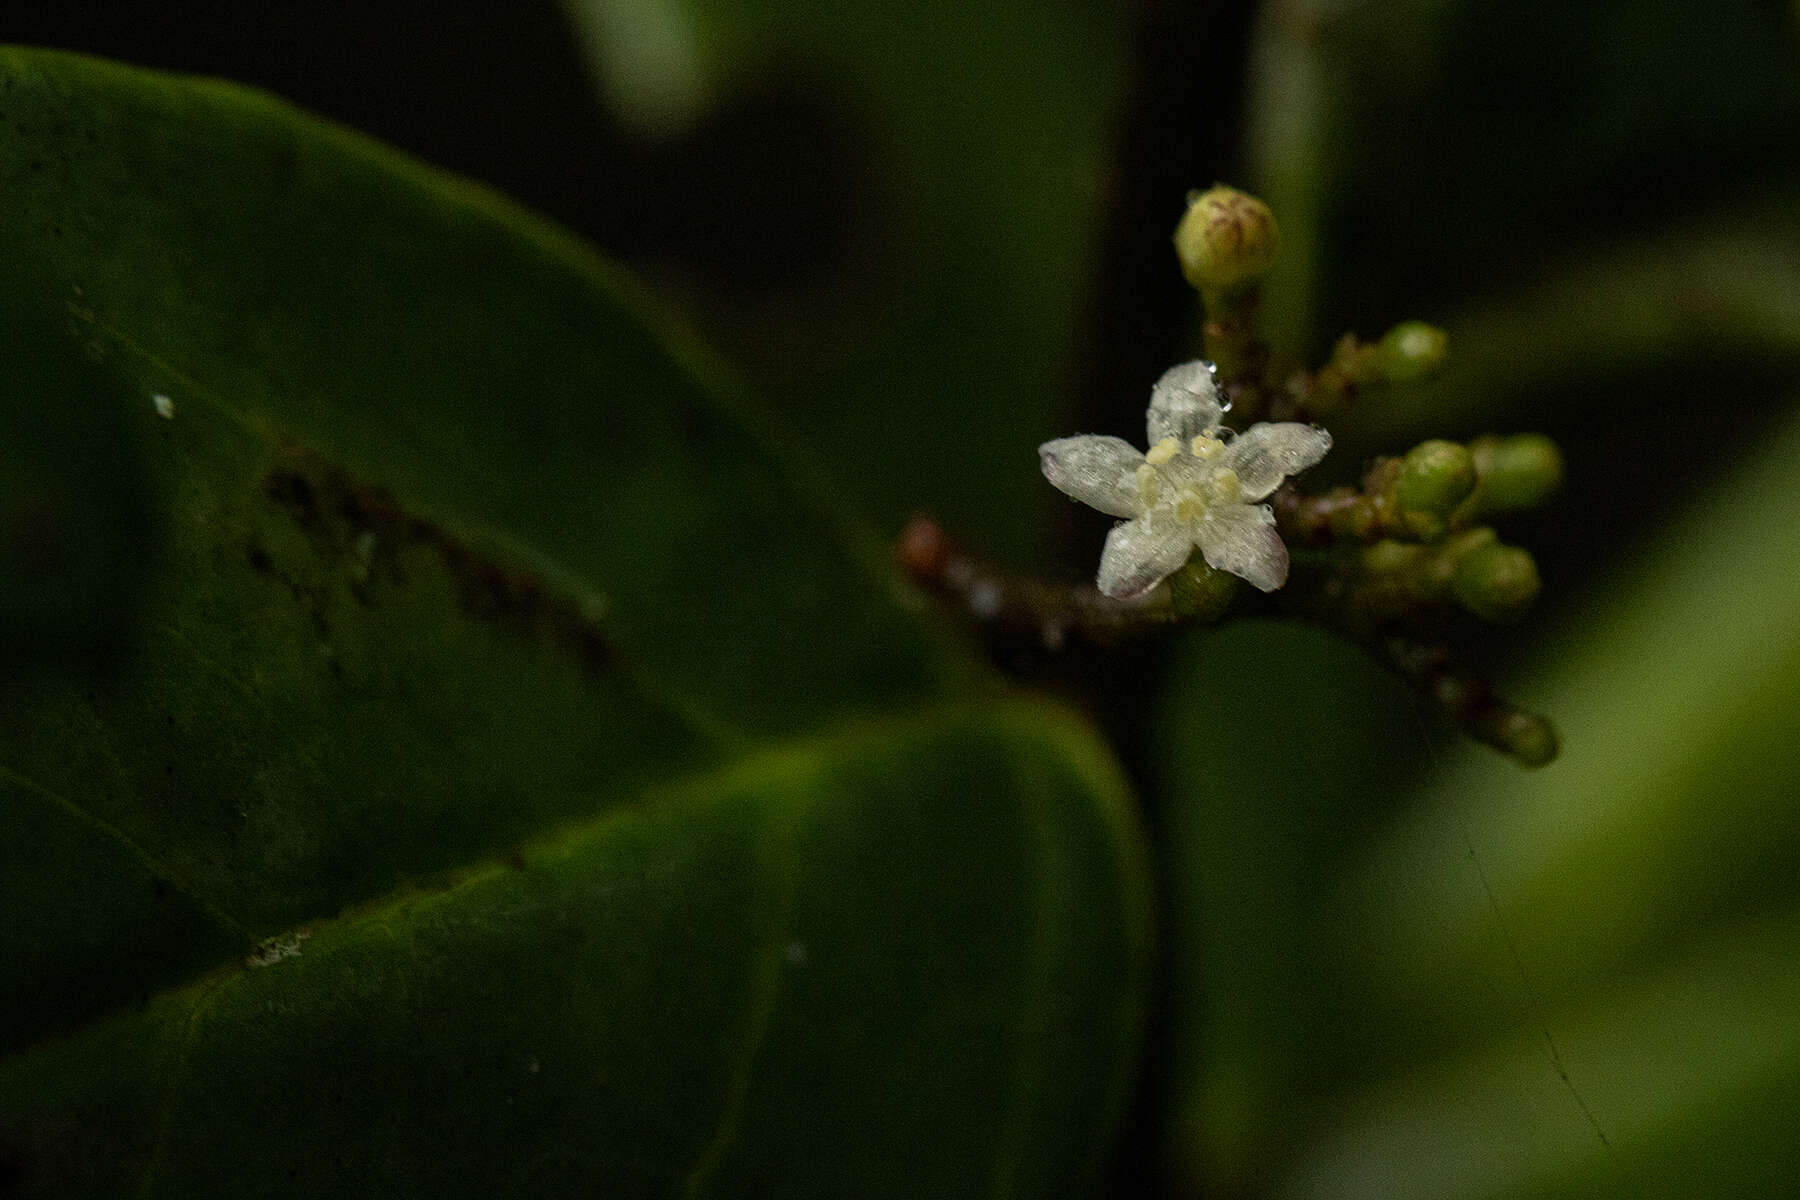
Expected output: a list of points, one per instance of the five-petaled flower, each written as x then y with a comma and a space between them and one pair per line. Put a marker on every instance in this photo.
1197, 486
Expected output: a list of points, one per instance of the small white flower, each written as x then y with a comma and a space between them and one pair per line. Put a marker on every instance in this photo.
1197, 486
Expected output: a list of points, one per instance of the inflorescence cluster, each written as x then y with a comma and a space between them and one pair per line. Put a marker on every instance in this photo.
1386, 562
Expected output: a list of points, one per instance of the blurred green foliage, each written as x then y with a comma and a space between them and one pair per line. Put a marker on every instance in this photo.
1384, 950
980, 130
1391, 950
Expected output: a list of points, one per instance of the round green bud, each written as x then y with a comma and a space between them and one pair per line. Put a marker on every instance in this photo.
1496, 582
1435, 478
1527, 737
1437, 569
1200, 593
1226, 239
1517, 472
1411, 351
1356, 519
1389, 557
1426, 526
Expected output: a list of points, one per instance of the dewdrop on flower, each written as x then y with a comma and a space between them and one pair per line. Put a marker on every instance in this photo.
1197, 485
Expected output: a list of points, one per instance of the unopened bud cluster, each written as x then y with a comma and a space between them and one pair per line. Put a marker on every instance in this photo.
1236, 426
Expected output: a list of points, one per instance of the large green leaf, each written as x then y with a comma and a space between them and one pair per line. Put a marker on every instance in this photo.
486, 770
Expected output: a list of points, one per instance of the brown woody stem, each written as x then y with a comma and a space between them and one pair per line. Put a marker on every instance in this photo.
1013, 609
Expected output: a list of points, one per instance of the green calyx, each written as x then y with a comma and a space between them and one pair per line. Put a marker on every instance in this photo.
1200, 593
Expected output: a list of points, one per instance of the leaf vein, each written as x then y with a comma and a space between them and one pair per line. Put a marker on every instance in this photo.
770, 979
157, 866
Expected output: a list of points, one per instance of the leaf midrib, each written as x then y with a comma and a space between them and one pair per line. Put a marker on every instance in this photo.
795, 757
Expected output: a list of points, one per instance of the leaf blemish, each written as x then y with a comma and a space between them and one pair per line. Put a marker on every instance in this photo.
277, 949
364, 530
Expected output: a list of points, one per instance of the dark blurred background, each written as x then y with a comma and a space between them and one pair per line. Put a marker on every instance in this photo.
825, 188
934, 234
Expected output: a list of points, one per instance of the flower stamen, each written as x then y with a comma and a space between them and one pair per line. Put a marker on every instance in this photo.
1149, 485
1225, 487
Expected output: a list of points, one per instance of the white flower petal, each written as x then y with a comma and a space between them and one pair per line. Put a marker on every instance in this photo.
1098, 471
1266, 454
1139, 555
1184, 403
1241, 538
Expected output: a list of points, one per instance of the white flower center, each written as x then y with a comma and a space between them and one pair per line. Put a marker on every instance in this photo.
1184, 480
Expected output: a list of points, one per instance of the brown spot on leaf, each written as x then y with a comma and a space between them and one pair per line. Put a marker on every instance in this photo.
294, 492
365, 526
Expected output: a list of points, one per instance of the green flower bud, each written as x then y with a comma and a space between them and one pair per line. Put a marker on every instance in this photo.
1517, 472
1200, 593
1435, 477
1411, 351
1496, 582
1226, 239
1388, 557
1355, 520
1357, 361
1527, 737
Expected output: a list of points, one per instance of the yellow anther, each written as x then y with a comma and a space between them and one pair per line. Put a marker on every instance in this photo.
1162, 452
1225, 487
1207, 447
1148, 485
